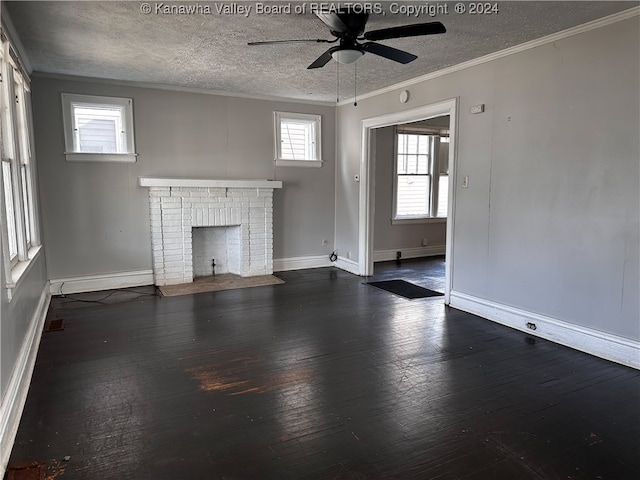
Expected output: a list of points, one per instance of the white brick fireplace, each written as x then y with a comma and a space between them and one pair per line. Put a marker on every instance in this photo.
177, 206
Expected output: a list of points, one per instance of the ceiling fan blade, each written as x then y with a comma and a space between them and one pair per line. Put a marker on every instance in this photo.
273, 42
391, 53
414, 30
323, 59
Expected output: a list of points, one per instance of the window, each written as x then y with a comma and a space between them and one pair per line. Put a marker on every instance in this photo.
421, 175
18, 216
98, 128
297, 140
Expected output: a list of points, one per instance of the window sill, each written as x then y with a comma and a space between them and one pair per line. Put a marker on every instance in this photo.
298, 163
101, 157
20, 270
411, 221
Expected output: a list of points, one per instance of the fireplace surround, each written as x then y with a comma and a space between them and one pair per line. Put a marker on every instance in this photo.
177, 206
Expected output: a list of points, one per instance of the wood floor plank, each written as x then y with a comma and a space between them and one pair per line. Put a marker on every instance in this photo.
321, 377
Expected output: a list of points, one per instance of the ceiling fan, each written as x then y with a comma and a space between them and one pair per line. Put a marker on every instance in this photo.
348, 27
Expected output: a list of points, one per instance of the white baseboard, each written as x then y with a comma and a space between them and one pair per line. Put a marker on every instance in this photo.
348, 265
414, 252
16, 395
106, 281
298, 263
605, 345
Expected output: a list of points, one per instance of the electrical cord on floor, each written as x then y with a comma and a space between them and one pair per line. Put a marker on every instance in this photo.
130, 290
114, 291
90, 301
334, 256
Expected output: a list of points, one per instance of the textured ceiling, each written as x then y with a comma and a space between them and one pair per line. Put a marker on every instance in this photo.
116, 40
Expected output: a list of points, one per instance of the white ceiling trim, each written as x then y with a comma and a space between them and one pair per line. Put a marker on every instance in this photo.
554, 37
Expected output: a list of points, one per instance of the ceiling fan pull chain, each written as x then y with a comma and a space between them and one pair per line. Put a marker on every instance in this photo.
355, 84
337, 82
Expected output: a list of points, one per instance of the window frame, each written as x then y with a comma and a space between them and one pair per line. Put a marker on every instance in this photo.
433, 175
71, 152
16, 137
316, 120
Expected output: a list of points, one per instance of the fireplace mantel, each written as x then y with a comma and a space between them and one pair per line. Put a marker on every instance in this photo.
207, 183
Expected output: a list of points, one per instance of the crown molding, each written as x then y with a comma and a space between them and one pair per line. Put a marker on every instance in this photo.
554, 37
593, 25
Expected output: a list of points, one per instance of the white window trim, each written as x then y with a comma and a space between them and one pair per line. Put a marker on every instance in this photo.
417, 219
20, 269
21, 155
412, 221
101, 157
72, 155
282, 162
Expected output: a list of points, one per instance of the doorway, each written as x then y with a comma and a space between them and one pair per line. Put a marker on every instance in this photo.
367, 184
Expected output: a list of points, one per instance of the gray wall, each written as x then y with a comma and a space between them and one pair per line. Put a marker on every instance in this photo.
550, 221
96, 217
16, 316
385, 235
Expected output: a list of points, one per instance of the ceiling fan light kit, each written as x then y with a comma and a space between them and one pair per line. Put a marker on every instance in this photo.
347, 56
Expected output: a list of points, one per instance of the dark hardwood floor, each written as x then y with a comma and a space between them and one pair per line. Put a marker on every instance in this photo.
322, 377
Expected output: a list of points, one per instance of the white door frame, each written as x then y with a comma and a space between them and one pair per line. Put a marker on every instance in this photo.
365, 222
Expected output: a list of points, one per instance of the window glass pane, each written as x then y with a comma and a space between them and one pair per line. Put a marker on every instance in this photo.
26, 203
6, 112
8, 203
23, 128
402, 164
402, 144
412, 195
443, 195
98, 129
423, 165
412, 164
423, 144
297, 140
412, 144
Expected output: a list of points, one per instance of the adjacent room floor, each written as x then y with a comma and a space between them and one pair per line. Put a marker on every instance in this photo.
322, 377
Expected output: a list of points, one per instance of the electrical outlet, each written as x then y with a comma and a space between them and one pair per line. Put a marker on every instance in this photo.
349, 254
465, 182
425, 242
325, 242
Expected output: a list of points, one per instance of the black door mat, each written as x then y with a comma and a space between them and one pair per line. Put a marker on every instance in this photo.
405, 289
